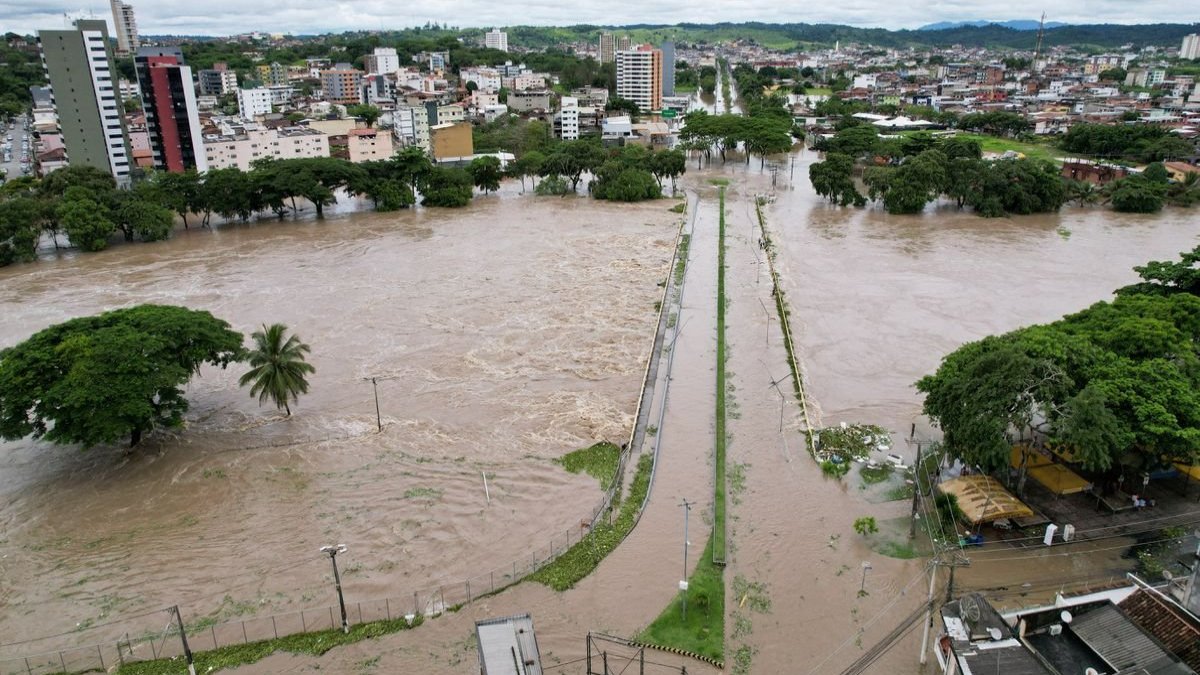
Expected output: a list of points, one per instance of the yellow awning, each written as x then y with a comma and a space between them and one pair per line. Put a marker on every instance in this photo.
1031, 457
1059, 479
1192, 472
983, 499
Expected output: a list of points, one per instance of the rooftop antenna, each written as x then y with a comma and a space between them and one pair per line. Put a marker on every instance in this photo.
1041, 34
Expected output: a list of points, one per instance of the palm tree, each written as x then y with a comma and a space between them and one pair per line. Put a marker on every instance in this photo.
278, 366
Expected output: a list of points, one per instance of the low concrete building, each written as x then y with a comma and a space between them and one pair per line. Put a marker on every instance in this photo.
449, 141
362, 145
529, 101
255, 143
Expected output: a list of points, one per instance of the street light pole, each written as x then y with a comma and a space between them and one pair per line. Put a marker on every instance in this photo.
337, 580
687, 508
862, 587
378, 419
187, 651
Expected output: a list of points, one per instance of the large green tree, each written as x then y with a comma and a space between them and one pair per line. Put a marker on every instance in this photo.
102, 378
486, 173
278, 367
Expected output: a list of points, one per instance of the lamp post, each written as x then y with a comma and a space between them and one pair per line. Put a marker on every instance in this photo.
866, 566
378, 419
337, 580
683, 584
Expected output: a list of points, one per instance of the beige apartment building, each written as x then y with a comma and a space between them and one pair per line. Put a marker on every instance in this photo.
239, 151
362, 145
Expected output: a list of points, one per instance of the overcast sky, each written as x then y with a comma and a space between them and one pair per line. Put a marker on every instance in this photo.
225, 17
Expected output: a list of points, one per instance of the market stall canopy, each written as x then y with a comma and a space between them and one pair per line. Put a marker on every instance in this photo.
983, 499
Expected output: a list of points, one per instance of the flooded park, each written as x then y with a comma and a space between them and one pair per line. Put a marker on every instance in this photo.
501, 337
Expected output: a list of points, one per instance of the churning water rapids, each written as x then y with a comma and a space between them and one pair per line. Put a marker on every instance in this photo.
508, 334
503, 335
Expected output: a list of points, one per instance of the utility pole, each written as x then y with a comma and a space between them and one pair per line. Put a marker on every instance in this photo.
337, 580
683, 584
912, 521
187, 651
928, 610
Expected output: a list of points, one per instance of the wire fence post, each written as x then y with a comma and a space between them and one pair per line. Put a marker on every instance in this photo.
101, 655
387, 608
416, 604
245, 638
468, 591
274, 628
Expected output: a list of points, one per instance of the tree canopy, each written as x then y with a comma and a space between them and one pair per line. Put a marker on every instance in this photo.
1118, 382
102, 378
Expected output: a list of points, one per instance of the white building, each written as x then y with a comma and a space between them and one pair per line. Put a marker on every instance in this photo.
567, 119
484, 78
384, 61
1191, 47
253, 103
496, 39
526, 81
411, 126
223, 152
639, 77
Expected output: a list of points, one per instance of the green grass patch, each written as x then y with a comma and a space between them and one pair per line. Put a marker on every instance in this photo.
685, 240
233, 656
703, 632
679, 208
1030, 150
719, 182
818, 91
875, 474
579, 560
718, 539
599, 461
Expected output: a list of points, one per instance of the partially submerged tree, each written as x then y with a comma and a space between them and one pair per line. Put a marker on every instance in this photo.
102, 378
278, 367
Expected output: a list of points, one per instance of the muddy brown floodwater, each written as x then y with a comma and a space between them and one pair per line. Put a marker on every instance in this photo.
504, 335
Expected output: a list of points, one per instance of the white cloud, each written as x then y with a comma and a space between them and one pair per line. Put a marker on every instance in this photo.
224, 17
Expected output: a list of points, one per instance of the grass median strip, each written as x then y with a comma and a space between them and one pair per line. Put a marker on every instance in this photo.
579, 560
703, 631
718, 542
316, 644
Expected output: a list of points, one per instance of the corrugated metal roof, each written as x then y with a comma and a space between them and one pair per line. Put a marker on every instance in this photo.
1108, 632
507, 646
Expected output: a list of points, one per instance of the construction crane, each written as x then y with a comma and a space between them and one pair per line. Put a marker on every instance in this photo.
1037, 51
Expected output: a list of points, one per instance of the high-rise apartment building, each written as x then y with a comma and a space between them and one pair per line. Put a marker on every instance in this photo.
607, 47
639, 77
668, 69
79, 65
169, 103
125, 26
624, 43
383, 61
1191, 47
496, 39
342, 84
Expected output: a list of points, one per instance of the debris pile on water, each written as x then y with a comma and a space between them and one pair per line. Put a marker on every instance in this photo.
850, 442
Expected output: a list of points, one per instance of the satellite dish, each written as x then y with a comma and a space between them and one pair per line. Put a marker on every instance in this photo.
995, 633
1066, 616
970, 609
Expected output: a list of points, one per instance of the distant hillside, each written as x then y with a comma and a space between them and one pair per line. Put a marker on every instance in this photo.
805, 35
1019, 24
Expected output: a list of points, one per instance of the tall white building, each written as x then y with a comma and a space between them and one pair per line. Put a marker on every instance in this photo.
384, 61
125, 26
496, 39
567, 119
639, 77
255, 102
1191, 47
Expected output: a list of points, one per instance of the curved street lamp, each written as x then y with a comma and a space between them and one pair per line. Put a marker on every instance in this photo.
337, 580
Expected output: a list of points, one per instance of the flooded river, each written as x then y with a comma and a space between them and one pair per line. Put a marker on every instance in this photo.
502, 335
506, 335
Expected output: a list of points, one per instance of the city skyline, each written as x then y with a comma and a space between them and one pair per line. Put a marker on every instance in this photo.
224, 17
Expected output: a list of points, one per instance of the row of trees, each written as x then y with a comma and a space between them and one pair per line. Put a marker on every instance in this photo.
906, 174
1132, 142
760, 136
1116, 382
120, 374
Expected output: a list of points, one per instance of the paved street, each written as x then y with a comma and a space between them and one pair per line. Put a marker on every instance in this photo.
13, 147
